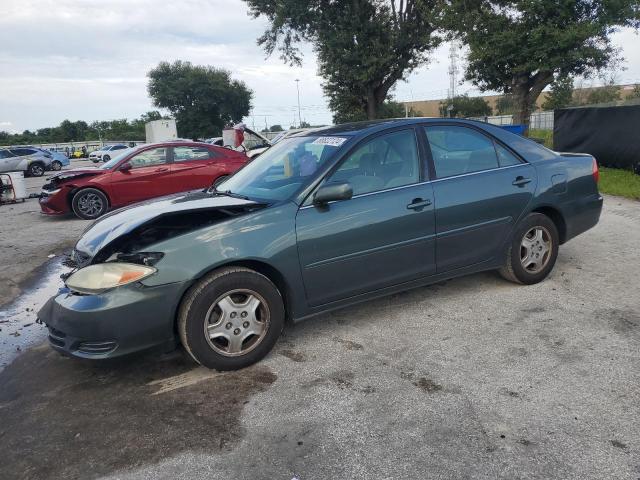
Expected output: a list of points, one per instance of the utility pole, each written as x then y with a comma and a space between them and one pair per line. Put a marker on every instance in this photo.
299, 115
453, 68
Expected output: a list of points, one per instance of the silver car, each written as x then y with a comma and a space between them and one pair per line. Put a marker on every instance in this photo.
29, 160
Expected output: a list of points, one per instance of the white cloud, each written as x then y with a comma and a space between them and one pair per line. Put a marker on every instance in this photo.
81, 59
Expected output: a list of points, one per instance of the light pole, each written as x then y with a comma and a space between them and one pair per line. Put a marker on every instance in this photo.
299, 115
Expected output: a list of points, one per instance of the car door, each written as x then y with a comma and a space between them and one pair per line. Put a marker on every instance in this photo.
196, 167
383, 235
481, 189
8, 161
148, 177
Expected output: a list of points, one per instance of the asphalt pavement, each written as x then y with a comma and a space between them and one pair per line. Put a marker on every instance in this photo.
471, 378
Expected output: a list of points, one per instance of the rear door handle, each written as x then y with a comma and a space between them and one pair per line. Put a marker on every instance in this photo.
521, 181
418, 204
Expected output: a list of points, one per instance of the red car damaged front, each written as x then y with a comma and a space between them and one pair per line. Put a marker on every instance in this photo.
144, 172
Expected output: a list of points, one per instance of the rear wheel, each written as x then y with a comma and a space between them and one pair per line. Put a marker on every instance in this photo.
231, 318
89, 203
106, 158
533, 250
36, 169
56, 165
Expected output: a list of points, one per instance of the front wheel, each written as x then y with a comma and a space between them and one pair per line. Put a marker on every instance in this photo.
231, 318
89, 203
36, 169
533, 250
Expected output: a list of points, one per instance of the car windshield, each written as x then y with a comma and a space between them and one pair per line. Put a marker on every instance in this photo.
283, 169
119, 155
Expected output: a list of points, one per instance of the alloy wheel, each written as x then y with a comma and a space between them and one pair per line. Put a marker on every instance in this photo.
90, 204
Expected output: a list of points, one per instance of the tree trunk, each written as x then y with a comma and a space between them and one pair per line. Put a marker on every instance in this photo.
372, 105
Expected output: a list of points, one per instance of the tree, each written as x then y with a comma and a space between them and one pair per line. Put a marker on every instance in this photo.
465, 106
276, 128
606, 94
635, 93
388, 109
363, 46
519, 47
561, 94
203, 99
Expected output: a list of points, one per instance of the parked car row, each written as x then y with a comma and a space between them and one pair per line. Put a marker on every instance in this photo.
30, 160
107, 152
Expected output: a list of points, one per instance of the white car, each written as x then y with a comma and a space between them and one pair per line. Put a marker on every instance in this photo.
107, 153
29, 160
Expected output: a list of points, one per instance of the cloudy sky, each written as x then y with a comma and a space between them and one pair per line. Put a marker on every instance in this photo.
87, 60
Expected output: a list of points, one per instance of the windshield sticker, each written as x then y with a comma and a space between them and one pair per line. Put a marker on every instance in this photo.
330, 141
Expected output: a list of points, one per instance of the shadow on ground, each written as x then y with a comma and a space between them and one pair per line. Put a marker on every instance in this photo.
63, 418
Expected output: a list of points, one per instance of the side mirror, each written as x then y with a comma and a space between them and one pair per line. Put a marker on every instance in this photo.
332, 192
125, 167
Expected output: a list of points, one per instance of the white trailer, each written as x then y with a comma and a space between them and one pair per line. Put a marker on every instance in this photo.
161, 131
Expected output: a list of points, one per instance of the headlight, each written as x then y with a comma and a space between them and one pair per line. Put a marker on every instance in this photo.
98, 278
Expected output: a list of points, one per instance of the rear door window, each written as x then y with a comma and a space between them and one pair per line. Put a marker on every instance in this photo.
188, 154
458, 150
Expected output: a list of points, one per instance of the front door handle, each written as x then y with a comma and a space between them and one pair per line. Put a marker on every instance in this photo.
418, 204
521, 181
162, 169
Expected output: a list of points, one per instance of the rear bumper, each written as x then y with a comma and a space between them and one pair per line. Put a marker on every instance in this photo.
582, 214
118, 322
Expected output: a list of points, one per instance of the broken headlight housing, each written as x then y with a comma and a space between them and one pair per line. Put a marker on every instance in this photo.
98, 278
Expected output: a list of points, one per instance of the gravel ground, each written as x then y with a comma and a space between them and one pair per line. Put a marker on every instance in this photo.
471, 378
27, 237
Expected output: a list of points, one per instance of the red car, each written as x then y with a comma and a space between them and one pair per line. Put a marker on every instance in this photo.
143, 172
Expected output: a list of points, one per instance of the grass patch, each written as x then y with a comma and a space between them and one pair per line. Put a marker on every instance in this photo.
623, 183
546, 135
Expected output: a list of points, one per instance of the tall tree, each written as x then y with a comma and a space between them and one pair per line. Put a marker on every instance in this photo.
363, 46
465, 106
561, 94
203, 99
610, 92
520, 46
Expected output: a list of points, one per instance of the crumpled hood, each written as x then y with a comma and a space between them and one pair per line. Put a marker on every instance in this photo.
74, 173
119, 223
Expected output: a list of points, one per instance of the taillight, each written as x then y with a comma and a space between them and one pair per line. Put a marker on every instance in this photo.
595, 172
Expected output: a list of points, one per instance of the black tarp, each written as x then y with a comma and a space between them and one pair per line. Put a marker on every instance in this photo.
611, 134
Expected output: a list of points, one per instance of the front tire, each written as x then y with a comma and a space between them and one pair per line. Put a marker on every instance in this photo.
89, 203
36, 169
231, 318
533, 250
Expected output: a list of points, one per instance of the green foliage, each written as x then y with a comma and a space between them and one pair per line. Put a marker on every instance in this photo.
561, 94
203, 99
304, 124
465, 106
615, 181
607, 94
80, 131
545, 135
276, 128
363, 47
388, 109
635, 93
521, 46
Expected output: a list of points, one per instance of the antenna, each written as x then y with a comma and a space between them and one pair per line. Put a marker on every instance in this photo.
453, 68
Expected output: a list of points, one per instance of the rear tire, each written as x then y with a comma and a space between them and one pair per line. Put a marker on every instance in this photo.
533, 250
56, 165
35, 169
231, 318
106, 158
89, 203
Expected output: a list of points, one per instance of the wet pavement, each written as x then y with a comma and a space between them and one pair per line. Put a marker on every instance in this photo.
18, 327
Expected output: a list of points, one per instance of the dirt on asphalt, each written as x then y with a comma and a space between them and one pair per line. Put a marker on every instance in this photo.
471, 378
